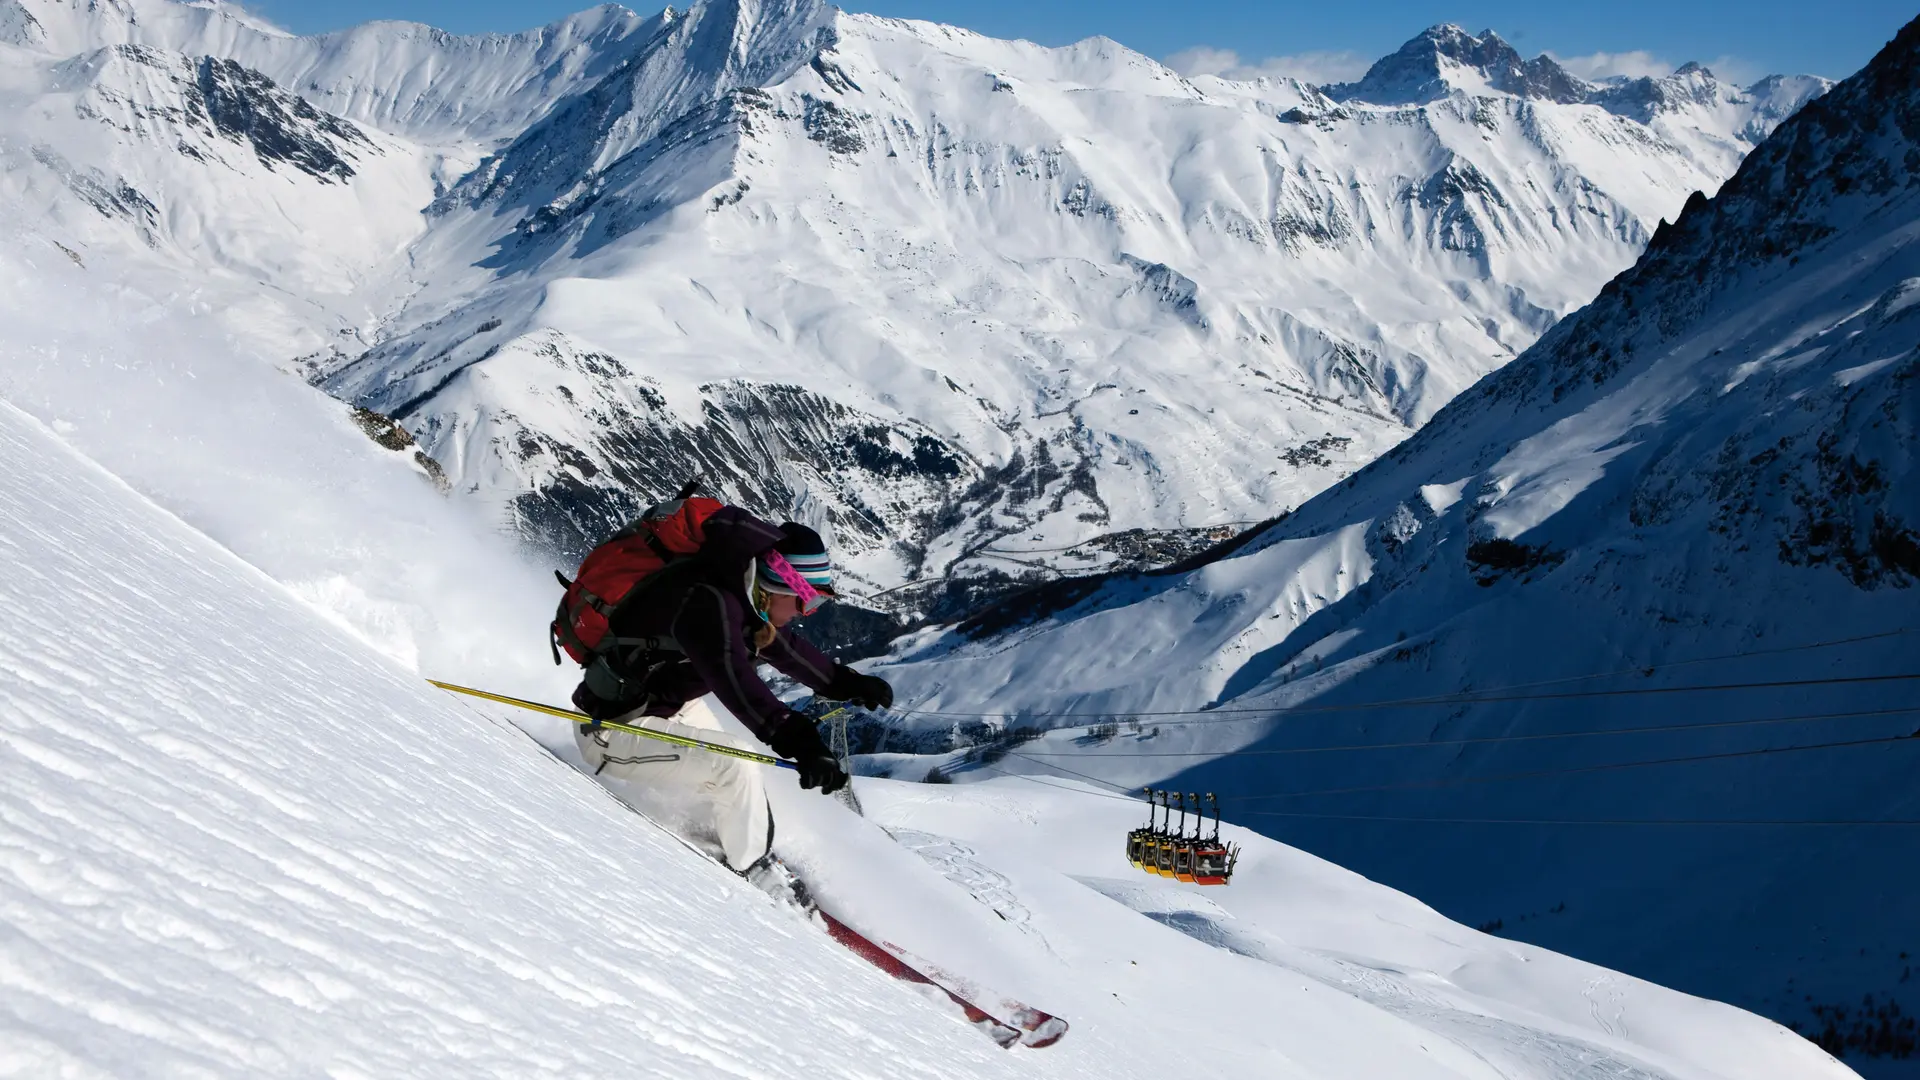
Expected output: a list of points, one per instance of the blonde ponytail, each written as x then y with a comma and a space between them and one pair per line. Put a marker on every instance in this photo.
763, 635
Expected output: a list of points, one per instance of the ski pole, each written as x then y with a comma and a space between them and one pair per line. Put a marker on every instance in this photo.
645, 733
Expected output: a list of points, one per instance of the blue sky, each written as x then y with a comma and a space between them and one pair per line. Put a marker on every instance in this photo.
1314, 40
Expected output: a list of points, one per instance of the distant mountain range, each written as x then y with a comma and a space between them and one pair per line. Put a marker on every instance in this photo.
988, 311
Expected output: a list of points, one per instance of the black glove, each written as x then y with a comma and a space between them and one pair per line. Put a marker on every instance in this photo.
798, 740
866, 691
596, 706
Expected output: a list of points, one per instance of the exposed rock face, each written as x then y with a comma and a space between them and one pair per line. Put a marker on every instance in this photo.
1419, 71
19, 27
1446, 60
388, 433
245, 105
181, 102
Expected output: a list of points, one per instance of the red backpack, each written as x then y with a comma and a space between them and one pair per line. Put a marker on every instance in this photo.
619, 568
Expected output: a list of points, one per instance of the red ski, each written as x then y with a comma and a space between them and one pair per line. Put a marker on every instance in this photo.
1009, 1024
1004, 1020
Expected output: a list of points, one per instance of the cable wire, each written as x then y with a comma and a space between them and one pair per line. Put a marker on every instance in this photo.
1057, 787
1472, 698
1500, 693
1818, 822
1476, 741
1580, 821
1609, 767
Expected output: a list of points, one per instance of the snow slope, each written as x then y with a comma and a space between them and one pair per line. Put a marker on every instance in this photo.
1713, 460
205, 178
236, 844
986, 310
277, 472
410, 79
243, 847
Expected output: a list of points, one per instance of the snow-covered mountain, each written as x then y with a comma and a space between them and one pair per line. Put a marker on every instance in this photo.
973, 304
1704, 478
240, 836
407, 78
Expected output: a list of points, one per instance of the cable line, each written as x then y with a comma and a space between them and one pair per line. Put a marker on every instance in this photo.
1058, 787
1074, 772
1500, 693
1656, 728
1470, 698
1579, 821
1823, 822
1612, 766
1531, 775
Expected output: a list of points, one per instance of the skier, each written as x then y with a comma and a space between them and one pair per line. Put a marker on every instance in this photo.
699, 625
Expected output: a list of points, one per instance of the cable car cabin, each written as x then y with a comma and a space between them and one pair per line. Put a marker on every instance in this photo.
1157, 848
1183, 844
1168, 862
1213, 863
1140, 853
1163, 856
1183, 860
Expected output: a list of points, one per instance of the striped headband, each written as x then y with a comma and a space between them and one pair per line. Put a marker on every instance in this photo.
808, 577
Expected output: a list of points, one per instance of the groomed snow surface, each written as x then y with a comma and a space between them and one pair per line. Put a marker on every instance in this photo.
236, 841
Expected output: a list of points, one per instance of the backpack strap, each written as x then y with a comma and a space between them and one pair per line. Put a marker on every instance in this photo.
642, 644
667, 555
553, 631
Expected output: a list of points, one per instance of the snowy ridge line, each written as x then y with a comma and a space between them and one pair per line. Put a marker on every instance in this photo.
1461, 699
1654, 729
1084, 543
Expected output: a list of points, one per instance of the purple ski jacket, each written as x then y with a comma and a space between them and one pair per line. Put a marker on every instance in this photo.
705, 610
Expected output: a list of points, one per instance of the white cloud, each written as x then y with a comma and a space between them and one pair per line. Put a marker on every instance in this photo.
1319, 68
1601, 65
1640, 63
1203, 60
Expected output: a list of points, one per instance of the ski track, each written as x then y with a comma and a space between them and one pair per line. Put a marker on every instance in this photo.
257, 857
1508, 1047
1607, 1005
960, 864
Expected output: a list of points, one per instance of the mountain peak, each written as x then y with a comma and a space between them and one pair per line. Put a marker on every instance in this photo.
66, 28
1445, 58
1452, 41
699, 58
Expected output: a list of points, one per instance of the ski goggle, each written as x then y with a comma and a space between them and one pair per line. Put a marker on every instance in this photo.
810, 598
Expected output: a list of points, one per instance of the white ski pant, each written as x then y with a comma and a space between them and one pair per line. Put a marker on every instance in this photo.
714, 802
